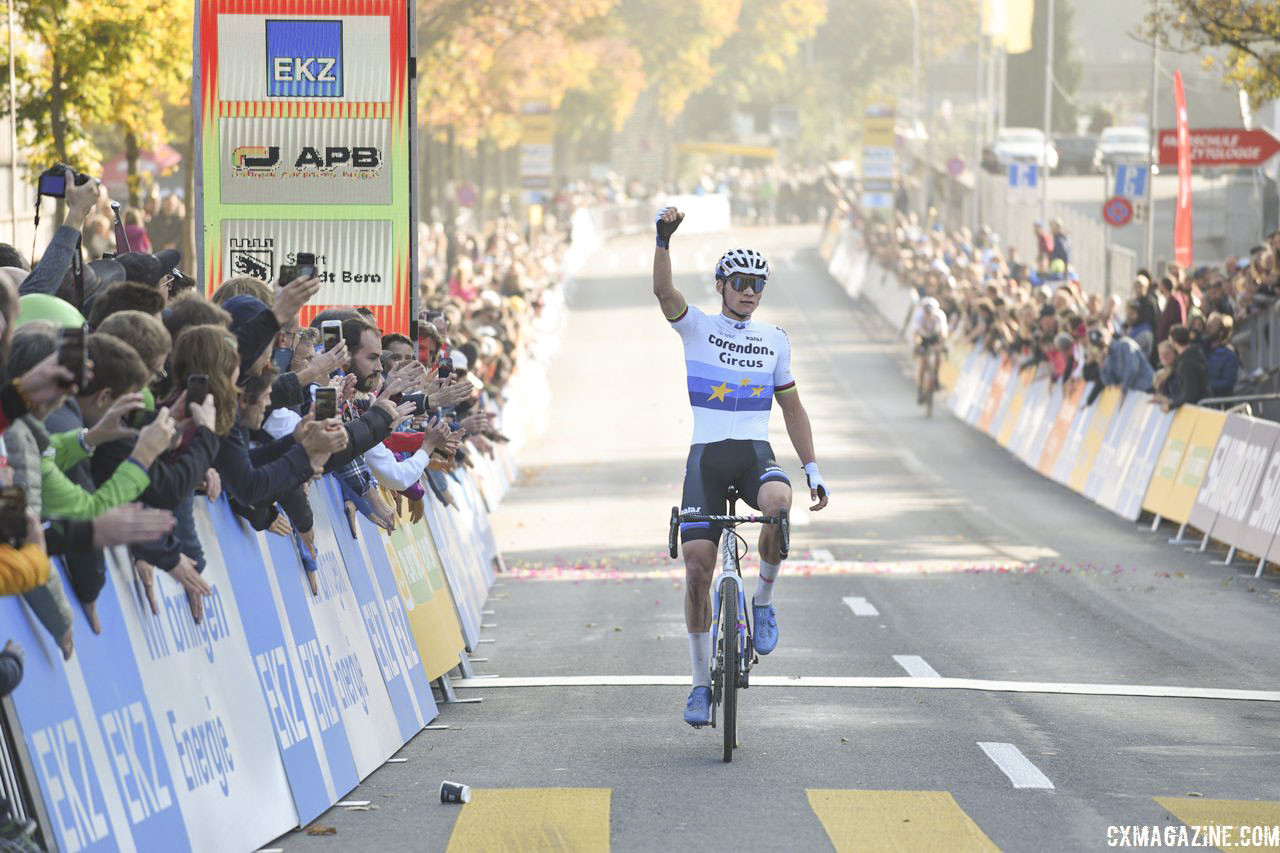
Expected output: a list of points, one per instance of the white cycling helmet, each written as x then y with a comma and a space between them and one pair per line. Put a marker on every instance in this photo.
742, 262
929, 303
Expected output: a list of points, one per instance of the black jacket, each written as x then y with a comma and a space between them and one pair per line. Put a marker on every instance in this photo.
1192, 374
364, 432
263, 474
174, 475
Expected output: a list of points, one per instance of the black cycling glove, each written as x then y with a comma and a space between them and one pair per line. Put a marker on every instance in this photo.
666, 229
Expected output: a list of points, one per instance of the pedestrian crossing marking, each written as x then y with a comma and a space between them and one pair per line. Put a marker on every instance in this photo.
1242, 815
533, 819
896, 821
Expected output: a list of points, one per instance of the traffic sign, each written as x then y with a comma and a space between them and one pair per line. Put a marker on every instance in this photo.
955, 167
1221, 147
1023, 175
1131, 180
1117, 211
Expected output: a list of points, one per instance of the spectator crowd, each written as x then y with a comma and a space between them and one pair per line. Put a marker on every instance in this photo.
184, 398
1171, 336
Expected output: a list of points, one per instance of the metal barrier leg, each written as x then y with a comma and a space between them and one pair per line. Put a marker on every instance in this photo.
1204, 544
1262, 562
448, 697
464, 667
1179, 540
1155, 523
1226, 561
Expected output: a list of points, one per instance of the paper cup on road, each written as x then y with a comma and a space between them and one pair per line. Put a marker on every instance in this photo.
454, 792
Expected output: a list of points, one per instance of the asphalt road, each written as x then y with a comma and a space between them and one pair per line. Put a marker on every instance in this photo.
974, 566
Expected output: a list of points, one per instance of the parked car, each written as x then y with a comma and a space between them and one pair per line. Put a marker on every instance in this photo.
1022, 145
1075, 153
1122, 145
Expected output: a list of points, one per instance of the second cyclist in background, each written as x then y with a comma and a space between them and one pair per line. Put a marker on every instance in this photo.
929, 328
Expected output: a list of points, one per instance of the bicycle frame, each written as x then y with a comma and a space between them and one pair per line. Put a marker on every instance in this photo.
730, 574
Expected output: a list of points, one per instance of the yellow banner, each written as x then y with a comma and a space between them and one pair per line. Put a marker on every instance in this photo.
1008, 23
537, 129
1092, 443
427, 600
1015, 407
1195, 462
733, 149
1169, 460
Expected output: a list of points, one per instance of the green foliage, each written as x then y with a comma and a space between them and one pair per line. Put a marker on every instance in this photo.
82, 64
1249, 30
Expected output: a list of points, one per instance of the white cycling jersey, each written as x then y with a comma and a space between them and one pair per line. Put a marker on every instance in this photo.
932, 321
734, 370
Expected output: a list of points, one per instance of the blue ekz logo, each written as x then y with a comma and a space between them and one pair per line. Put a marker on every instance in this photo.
304, 59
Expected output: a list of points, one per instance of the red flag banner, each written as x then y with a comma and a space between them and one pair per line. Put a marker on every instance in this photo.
1182, 218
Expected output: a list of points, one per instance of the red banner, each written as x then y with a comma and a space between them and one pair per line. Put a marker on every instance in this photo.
1220, 146
1182, 218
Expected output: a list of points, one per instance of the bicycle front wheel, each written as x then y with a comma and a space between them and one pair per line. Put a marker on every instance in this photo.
729, 668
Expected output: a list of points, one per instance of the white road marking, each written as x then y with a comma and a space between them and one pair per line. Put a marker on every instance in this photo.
822, 555
977, 684
915, 666
861, 607
1021, 772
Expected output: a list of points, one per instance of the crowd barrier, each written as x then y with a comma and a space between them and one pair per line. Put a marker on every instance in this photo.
1215, 472
160, 733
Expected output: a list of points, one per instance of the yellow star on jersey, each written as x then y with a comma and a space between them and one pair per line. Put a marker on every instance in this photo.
718, 392
745, 382
755, 392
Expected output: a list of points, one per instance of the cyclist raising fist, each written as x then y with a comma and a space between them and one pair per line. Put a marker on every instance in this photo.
736, 369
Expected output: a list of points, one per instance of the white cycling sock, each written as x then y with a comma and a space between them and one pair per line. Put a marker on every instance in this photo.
764, 583
700, 657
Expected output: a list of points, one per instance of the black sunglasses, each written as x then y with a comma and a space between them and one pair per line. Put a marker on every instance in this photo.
747, 282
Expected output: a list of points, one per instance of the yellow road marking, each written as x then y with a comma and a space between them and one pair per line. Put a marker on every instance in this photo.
1242, 815
896, 821
540, 819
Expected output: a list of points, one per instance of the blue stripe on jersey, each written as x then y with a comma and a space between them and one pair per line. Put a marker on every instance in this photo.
721, 372
729, 396
748, 404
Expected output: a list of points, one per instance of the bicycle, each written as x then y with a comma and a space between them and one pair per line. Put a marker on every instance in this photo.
731, 666
932, 355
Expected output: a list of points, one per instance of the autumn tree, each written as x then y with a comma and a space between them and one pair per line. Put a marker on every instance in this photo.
1248, 30
151, 76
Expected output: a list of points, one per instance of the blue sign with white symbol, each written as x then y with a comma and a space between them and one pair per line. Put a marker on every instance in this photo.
304, 59
1023, 175
1131, 180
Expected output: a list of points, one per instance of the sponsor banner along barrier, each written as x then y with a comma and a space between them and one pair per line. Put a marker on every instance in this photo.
160, 733
1141, 469
1169, 460
1215, 472
1195, 462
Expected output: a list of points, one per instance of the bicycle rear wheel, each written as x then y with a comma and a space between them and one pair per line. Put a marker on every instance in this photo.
729, 668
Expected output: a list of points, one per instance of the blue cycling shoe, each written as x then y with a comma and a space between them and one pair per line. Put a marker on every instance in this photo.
698, 712
765, 638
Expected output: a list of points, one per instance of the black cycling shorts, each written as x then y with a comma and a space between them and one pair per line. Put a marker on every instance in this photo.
712, 468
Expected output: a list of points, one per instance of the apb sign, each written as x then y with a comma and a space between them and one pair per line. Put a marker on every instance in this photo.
305, 145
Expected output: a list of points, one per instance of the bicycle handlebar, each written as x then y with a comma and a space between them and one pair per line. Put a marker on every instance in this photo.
729, 519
